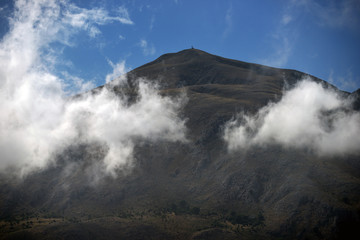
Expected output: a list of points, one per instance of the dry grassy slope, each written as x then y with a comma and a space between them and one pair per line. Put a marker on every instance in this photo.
300, 195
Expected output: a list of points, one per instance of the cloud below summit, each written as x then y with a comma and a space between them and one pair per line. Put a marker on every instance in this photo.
308, 116
38, 121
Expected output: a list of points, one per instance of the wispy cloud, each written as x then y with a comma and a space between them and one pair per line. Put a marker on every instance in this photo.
281, 54
335, 14
286, 19
282, 41
124, 16
228, 22
76, 84
119, 69
152, 21
346, 82
87, 19
148, 49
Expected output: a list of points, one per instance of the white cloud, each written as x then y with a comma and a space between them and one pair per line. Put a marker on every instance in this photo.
86, 19
94, 31
38, 121
74, 84
119, 70
109, 120
308, 116
124, 16
147, 50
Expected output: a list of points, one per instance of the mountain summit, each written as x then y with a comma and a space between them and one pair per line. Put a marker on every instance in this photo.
264, 187
195, 67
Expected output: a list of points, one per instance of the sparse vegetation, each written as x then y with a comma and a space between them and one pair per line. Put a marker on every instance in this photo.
235, 218
183, 207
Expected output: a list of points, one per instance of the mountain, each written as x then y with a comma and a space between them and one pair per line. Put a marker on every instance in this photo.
356, 96
195, 189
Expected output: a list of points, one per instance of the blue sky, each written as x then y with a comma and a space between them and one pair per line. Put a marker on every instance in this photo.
318, 37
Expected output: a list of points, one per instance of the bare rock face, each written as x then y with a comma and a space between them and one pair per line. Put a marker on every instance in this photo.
195, 189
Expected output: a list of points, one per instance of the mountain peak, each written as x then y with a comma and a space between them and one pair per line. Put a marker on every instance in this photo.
183, 56
196, 67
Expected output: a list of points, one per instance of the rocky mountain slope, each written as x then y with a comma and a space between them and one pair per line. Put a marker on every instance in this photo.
195, 189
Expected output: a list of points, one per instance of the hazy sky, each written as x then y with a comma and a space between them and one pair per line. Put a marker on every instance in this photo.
318, 37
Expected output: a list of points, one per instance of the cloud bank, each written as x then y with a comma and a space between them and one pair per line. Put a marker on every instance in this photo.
37, 119
308, 116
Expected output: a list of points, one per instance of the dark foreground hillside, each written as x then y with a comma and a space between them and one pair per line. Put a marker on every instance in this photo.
196, 189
